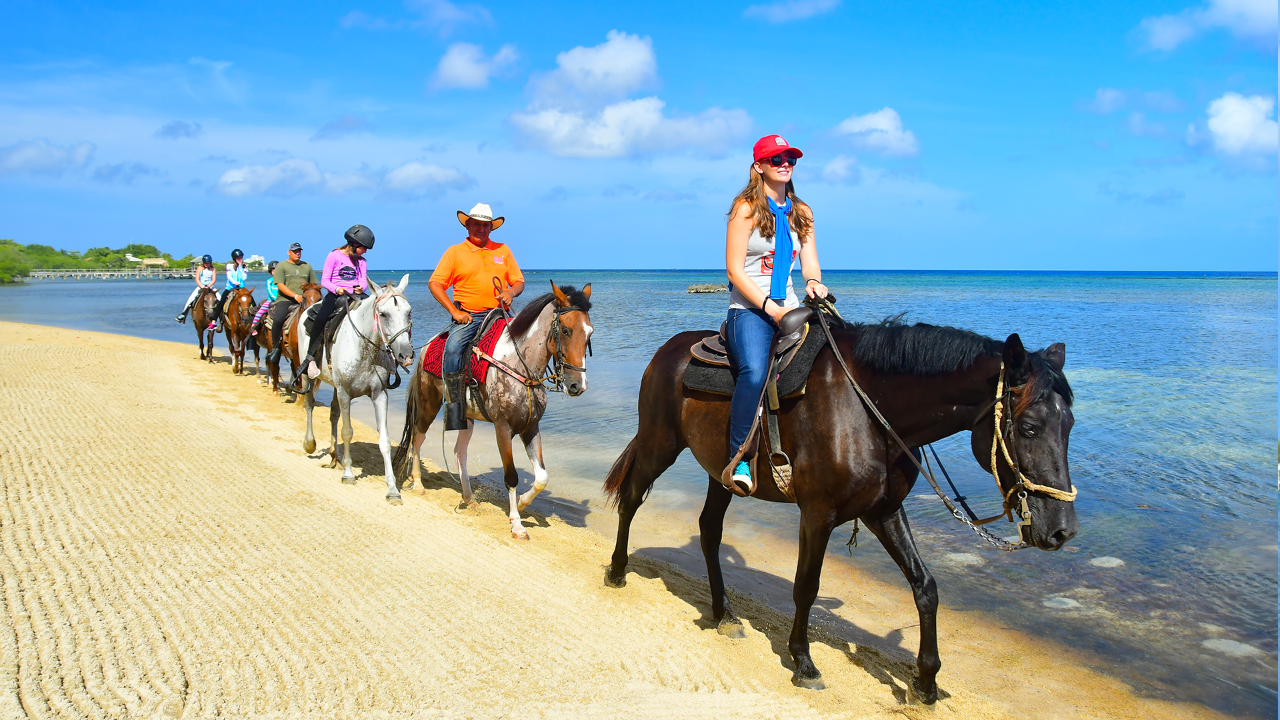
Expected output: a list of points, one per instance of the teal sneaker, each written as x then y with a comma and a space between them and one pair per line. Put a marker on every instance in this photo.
742, 476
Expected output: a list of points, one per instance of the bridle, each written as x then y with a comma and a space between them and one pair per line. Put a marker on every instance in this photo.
1020, 488
553, 380
384, 348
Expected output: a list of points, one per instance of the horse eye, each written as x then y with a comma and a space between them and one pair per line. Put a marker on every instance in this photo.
1028, 430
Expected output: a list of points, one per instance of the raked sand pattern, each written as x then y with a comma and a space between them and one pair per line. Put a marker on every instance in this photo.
169, 551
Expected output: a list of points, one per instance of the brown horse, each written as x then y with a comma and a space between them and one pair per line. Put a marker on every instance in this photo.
930, 383
310, 296
201, 317
236, 322
553, 329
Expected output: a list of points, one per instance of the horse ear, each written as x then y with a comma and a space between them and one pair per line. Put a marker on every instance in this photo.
586, 291
1056, 355
404, 283
374, 288
1017, 368
252, 289
561, 299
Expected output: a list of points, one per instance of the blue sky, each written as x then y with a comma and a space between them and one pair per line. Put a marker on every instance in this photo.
1075, 136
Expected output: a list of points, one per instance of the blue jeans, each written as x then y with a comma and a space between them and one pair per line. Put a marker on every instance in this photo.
750, 334
459, 336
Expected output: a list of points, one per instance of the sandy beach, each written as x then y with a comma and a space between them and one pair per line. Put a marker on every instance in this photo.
170, 551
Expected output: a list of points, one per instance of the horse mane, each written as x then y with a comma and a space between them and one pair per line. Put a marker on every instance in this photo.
524, 320
894, 347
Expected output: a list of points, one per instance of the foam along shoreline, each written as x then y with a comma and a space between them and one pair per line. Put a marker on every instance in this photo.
169, 552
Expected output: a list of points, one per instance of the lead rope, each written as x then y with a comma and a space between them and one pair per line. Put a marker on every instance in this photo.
997, 542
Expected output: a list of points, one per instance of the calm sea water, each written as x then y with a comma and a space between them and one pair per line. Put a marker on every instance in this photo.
1172, 582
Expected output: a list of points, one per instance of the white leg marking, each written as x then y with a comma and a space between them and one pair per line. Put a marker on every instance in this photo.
533, 448
517, 530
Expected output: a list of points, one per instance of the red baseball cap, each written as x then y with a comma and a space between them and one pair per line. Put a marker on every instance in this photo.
770, 145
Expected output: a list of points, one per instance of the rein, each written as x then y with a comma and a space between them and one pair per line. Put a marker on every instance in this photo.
385, 347
1022, 487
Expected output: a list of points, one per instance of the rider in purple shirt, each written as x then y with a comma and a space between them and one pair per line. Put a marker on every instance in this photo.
344, 274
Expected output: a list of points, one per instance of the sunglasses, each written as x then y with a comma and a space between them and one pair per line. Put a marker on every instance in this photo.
778, 160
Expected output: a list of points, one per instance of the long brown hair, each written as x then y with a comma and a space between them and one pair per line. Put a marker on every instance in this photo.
753, 194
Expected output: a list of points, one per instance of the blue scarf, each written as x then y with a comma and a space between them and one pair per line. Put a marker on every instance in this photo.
781, 250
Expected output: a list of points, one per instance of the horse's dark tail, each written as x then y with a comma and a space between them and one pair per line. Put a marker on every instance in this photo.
620, 473
400, 461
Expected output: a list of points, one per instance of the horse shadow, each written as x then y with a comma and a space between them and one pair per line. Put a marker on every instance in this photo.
486, 493
882, 657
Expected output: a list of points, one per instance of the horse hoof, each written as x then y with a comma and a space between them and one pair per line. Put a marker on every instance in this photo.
808, 683
732, 629
927, 697
395, 500
615, 581
348, 481
408, 484
521, 535
309, 446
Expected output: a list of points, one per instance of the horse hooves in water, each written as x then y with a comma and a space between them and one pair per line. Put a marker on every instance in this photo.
614, 581
808, 683
395, 500
731, 627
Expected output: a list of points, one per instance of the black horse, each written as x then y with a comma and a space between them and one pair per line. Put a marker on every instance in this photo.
930, 383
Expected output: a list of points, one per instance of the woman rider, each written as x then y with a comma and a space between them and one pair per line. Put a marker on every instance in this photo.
766, 220
204, 279
344, 274
273, 292
237, 276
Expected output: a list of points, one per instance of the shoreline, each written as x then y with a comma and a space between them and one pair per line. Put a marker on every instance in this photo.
862, 629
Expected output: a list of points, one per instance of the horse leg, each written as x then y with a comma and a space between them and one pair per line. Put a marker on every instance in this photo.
344, 406
512, 479
384, 444
460, 457
645, 458
432, 397
895, 535
710, 531
533, 447
335, 412
815, 531
309, 402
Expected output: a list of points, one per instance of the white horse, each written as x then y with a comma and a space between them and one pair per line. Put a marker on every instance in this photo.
373, 338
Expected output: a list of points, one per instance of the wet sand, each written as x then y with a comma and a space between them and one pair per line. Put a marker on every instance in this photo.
170, 550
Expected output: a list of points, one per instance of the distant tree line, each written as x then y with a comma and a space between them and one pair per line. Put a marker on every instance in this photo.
17, 260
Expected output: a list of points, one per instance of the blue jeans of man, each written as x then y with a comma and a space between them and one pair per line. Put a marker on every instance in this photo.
750, 334
459, 336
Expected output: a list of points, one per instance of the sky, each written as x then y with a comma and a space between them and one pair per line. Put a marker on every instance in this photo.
960, 136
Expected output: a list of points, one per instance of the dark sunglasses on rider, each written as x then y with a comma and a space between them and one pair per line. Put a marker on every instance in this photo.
777, 160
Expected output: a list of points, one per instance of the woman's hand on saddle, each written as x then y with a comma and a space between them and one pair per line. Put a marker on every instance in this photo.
775, 310
460, 317
341, 291
815, 289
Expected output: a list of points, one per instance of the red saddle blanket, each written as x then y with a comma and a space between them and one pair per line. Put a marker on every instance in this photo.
433, 358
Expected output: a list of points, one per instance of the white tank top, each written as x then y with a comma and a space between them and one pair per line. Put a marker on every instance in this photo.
760, 266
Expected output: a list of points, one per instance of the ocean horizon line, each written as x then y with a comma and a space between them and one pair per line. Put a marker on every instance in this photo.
1082, 273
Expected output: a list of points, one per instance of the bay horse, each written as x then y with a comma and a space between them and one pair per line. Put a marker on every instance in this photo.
201, 317
289, 337
929, 383
553, 329
236, 322
374, 337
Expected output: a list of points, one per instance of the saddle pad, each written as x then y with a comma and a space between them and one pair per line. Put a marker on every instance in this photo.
433, 358
719, 380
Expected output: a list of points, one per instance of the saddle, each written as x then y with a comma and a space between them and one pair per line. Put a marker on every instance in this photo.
486, 337
792, 355
340, 310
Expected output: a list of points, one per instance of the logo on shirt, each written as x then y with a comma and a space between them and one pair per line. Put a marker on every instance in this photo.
348, 273
766, 264
499, 259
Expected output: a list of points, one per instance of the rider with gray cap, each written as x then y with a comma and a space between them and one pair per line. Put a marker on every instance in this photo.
290, 276
344, 274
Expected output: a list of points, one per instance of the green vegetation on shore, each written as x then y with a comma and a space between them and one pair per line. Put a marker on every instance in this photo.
17, 260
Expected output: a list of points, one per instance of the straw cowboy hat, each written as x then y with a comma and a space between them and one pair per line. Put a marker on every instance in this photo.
481, 212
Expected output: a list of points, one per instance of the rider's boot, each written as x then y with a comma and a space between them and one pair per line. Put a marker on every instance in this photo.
181, 317
455, 409
274, 355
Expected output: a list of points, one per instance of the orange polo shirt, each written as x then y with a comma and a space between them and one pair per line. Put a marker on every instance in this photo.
470, 271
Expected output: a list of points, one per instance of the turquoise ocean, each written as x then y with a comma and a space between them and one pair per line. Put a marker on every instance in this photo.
1171, 584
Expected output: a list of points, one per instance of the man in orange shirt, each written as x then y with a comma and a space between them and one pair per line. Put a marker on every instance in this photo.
471, 268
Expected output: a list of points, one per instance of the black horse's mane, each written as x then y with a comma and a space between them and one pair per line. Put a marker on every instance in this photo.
892, 346
523, 320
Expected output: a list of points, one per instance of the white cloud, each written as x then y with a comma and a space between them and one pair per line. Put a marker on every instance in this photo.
580, 110
465, 66
41, 157
842, 169
789, 10
415, 178
1140, 126
631, 127
1106, 101
881, 132
124, 173
1242, 125
1252, 20
296, 176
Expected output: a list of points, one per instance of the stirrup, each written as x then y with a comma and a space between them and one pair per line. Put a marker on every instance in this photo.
749, 486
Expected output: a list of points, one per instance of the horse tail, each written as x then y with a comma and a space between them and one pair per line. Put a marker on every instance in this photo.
402, 457
620, 473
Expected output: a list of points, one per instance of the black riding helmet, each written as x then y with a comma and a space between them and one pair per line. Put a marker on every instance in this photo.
236, 254
207, 260
360, 235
